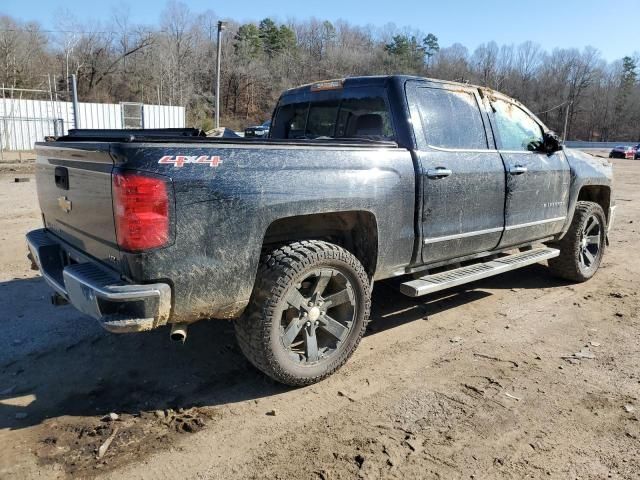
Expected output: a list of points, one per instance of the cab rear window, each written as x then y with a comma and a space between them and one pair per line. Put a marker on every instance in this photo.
354, 113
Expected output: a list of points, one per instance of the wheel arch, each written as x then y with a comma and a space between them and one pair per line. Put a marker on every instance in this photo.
588, 192
600, 194
354, 230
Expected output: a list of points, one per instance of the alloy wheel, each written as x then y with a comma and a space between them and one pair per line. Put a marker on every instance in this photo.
590, 242
318, 316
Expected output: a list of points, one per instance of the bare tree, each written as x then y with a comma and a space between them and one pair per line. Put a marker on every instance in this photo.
173, 62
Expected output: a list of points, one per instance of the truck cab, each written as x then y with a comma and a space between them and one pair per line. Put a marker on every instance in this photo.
490, 174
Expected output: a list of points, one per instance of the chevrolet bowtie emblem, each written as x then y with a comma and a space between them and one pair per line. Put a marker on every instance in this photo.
64, 204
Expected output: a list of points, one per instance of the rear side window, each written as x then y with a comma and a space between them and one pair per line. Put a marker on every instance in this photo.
451, 119
359, 113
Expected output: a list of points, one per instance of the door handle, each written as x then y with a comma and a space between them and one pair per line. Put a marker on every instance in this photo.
439, 172
61, 177
517, 170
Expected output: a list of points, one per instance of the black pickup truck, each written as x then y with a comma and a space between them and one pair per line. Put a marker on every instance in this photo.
362, 179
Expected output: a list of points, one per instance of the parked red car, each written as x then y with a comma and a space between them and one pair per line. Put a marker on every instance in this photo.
623, 151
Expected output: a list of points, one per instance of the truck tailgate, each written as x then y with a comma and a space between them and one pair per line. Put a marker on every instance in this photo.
74, 191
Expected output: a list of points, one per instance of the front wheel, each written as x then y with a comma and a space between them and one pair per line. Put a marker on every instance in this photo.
582, 248
308, 312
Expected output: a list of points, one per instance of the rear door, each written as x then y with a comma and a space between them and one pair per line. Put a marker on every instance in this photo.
462, 175
537, 182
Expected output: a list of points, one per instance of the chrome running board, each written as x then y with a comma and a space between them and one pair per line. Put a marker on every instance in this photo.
470, 273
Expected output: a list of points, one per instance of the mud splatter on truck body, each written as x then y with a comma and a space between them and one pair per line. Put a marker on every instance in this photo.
402, 173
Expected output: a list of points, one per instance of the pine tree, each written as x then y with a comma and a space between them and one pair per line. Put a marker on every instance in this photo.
247, 41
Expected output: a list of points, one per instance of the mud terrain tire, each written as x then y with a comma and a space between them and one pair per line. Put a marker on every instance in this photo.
308, 311
582, 248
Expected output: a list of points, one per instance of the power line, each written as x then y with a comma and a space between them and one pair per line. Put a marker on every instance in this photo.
82, 32
301, 62
87, 32
553, 108
37, 30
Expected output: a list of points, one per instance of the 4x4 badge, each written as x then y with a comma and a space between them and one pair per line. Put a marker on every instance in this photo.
65, 204
180, 160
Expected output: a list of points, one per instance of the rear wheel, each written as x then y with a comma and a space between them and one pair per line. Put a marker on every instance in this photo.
308, 312
582, 248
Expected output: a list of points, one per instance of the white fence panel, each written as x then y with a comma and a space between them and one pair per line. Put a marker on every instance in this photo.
24, 122
163, 116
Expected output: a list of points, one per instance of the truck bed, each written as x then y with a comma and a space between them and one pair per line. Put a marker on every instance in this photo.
226, 195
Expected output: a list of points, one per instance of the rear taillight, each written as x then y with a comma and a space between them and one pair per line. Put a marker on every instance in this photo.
141, 210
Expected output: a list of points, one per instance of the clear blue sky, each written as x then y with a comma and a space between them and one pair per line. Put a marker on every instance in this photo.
612, 26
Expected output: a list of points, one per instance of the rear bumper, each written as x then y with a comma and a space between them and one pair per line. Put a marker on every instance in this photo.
120, 307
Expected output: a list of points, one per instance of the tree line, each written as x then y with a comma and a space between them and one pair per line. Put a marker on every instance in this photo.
173, 63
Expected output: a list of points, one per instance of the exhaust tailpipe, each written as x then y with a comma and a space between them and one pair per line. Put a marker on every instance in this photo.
34, 264
178, 332
58, 300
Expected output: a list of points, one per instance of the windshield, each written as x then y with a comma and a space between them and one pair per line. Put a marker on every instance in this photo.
353, 113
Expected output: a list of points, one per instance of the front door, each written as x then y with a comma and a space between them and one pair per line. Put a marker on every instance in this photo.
537, 182
462, 175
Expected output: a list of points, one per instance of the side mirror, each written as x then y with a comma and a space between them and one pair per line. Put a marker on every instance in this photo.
551, 142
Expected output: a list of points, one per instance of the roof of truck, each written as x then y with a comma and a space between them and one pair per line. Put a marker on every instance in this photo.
382, 80
373, 80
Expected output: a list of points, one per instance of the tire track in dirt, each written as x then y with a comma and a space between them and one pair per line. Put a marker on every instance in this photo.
468, 382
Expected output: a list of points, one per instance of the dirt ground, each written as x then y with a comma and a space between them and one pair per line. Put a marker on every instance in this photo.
516, 376
16, 162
